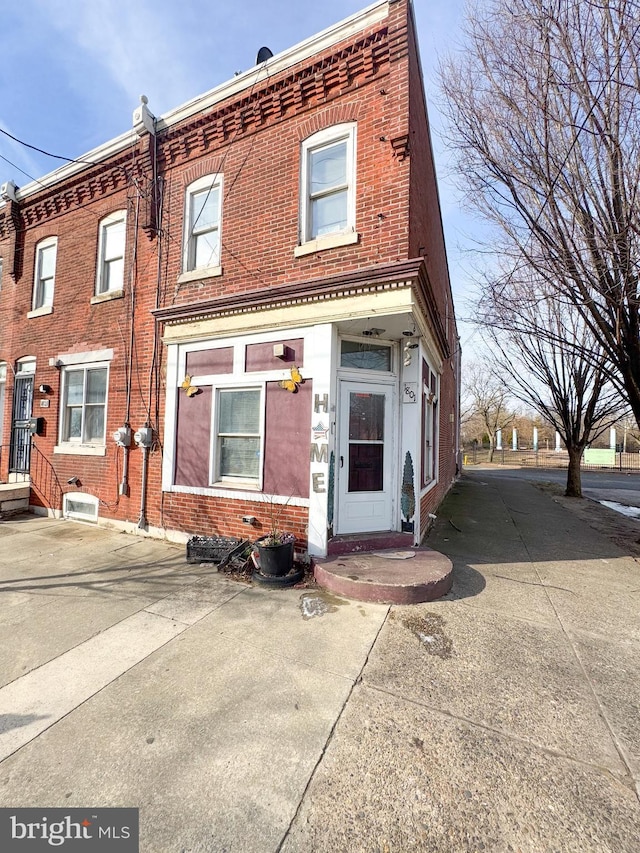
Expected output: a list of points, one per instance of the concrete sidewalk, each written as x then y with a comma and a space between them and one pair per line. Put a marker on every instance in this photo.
503, 717
133, 679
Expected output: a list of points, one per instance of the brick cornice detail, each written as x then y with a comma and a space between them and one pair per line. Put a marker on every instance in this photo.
293, 94
104, 180
411, 273
320, 82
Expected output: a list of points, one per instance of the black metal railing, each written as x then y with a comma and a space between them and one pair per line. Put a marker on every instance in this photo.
5, 473
44, 480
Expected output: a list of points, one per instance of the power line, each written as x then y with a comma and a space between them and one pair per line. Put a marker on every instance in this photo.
46, 153
26, 174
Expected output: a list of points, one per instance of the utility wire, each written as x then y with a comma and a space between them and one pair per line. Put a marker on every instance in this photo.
26, 174
46, 153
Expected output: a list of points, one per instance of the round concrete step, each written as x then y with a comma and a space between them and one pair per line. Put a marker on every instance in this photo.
407, 576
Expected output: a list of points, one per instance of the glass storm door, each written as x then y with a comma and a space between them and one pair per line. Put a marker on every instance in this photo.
20, 453
365, 458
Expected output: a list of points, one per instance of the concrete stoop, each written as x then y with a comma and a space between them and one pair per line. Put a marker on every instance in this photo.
14, 499
407, 576
359, 542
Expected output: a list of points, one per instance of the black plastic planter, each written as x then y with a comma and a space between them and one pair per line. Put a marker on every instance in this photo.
275, 560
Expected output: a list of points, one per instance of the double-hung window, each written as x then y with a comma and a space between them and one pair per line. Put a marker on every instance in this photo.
238, 434
202, 227
84, 404
45, 273
111, 244
327, 203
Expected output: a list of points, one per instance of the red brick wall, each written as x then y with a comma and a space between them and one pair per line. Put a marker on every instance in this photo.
254, 141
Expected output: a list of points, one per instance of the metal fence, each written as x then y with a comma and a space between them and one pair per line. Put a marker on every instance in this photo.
476, 455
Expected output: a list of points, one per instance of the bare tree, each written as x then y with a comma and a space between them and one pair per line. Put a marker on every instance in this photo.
544, 113
549, 359
486, 400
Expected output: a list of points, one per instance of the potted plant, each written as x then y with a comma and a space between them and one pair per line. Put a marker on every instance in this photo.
275, 549
275, 553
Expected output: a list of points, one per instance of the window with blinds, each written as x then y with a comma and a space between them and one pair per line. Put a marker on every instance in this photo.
239, 434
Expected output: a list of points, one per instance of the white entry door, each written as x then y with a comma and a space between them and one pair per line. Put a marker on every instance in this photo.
365, 458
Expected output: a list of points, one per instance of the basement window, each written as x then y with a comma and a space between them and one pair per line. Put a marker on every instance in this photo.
80, 506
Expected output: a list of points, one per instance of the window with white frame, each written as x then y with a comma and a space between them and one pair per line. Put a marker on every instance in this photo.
111, 244
80, 505
202, 224
363, 355
238, 434
45, 273
328, 183
429, 426
84, 400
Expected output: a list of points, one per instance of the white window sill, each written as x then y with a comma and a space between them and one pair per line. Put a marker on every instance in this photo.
40, 312
196, 275
331, 241
247, 485
107, 296
81, 449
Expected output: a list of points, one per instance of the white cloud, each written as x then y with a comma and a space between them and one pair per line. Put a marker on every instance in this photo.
135, 43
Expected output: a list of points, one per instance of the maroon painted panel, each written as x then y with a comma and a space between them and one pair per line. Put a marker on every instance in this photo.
287, 441
261, 357
210, 361
193, 431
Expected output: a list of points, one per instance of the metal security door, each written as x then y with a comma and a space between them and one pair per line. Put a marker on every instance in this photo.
20, 451
365, 471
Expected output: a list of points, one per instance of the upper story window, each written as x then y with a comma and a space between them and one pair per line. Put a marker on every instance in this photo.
203, 208
44, 276
327, 192
111, 243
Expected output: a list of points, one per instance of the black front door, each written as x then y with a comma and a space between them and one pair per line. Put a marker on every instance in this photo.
20, 453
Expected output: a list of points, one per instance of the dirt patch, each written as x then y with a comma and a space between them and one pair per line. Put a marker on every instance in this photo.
625, 532
429, 629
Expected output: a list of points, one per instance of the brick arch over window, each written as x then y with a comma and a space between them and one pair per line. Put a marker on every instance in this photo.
208, 166
339, 114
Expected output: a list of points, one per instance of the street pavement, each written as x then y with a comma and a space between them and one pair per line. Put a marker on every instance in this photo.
504, 717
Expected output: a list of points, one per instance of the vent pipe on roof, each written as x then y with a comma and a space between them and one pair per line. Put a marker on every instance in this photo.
263, 54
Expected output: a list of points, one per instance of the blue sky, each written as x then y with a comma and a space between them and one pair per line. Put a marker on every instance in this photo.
71, 72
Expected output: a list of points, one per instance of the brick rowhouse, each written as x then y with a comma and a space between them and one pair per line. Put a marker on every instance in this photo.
310, 180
